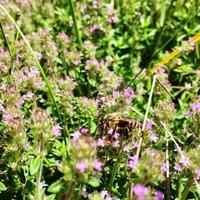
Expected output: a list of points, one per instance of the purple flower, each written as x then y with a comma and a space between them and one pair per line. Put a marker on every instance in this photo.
177, 167
98, 165
56, 130
26, 145
81, 166
140, 191
75, 136
127, 149
128, 92
197, 172
196, 107
2, 108
149, 124
116, 144
84, 131
184, 161
159, 195
132, 163
154, 138
101, 143
188, 113
104, 193
164, 167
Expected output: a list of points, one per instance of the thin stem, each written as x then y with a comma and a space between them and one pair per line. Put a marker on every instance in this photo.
75, 24
168, 191
51, 93
114, 172
143, 128
145, 117
38, 181
172, 138
168, 92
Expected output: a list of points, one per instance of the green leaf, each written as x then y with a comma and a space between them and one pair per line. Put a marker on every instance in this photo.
94, 182
35, 165
2, 187
56, 186
51, 197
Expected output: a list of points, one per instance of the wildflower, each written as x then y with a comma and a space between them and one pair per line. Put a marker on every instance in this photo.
184, 161
56, 130
127, 149
140, 191
84, 131
164, 167
132, 162
2, 108
177, 167
128, 92
159, 195
197, 173
104, 193
154, 138
75, 136
116, 144
100, 142
188, 85
98, 165
81, 166
149, 124
198, 72
188, 113
26, 145
196, 107
192, 44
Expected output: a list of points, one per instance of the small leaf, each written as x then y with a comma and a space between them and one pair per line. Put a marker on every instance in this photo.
51, 197
2, 187
94, 182
35, 165
56, 186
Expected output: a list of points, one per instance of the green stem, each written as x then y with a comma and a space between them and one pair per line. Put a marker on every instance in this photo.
75, 24
5, 40
115, 169
51, 93
38, 180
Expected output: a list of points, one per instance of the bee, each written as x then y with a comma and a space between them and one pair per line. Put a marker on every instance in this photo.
120, 123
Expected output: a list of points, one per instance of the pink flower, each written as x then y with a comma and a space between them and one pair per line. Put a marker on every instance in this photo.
81, 166
196, 107
2, 108
84, 131
164, 167
154, 138
75, 136
101, 143
197, 172
116, 144
158, 196
185, 161
132, 163
177, 167
128, 92
98, 165
198, 72
56, 130
149, 124
140, 191
26, 145
127, 149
